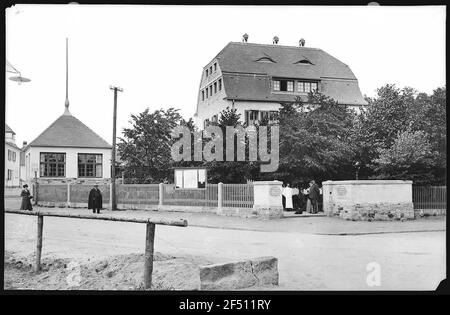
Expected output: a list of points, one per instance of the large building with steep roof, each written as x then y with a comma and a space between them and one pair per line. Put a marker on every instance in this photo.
255, 78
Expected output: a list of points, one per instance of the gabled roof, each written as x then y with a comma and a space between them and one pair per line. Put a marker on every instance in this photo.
246, 78
8, 129
12, 144
68, 131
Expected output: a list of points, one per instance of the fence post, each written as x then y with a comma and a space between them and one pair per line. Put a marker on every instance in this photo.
219, 196
161, 194
68, 194
40, 225
148, 264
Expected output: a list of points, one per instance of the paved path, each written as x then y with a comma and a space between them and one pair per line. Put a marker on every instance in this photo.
308, 224
307, 261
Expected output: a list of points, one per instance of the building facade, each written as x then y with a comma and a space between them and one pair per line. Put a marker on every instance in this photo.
12, 159
255, 78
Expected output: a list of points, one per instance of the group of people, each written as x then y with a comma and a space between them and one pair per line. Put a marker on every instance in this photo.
95, 201
292, 198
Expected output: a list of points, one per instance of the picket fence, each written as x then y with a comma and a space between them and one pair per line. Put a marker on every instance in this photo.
213, 196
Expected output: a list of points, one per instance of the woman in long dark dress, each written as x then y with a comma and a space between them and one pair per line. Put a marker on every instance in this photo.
26, 196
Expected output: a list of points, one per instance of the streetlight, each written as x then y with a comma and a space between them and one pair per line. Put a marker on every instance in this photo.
19, 79
113, 158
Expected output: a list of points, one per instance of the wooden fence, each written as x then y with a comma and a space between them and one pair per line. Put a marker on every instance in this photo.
149, 235
238, 195
76, 194
430, 199
192, 197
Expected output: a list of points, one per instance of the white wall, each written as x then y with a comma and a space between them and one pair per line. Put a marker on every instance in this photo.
12, 165
32, 156
351, 192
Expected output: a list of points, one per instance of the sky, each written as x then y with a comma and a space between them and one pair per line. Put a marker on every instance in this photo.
157, 53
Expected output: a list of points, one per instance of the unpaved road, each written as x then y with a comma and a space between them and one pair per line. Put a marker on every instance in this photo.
408, 261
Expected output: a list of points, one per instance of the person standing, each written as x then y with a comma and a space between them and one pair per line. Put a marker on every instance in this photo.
287, 193
26, 197
95, 200
313, 195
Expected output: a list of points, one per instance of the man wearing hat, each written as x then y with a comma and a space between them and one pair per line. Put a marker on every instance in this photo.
95, 200
26, 197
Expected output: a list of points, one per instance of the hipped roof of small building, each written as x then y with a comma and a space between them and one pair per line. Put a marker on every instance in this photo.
68, 131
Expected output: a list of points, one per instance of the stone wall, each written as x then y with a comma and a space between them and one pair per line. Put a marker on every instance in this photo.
368, 199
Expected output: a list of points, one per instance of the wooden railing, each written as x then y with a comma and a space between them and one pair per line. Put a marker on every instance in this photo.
149, 235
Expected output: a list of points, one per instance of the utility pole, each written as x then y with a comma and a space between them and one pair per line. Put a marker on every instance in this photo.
113, 157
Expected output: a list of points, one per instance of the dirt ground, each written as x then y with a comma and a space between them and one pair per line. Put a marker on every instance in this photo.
411, 254
120, 272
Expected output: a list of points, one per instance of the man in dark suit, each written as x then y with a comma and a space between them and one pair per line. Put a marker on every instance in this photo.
95, 200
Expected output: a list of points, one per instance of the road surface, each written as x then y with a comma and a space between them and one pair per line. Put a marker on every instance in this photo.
407, 261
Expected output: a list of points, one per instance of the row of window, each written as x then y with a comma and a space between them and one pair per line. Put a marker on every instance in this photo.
291, 86
255, 116
252, 117
54, 165
209, 71
11, 155
212, 88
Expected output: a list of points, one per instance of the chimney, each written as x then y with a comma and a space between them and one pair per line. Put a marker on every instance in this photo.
275, 40
24, 144
245, 38
301, 42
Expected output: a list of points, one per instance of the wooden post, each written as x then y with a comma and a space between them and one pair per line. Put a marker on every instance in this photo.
148, 264
219, 197
40, 225
68, 194
161, 194
113, 153
36, 185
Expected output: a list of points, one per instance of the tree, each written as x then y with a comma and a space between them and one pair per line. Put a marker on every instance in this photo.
314, 139
231, 171
145, 147
410, 158
393, 111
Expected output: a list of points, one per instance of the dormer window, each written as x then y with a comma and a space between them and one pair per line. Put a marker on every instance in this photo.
303, 61
266, 59
206, 72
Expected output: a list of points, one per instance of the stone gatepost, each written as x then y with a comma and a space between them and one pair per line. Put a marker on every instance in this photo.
267, 199
368, 199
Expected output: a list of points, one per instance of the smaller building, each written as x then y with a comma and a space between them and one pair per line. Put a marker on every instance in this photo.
12, 159
68, 149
